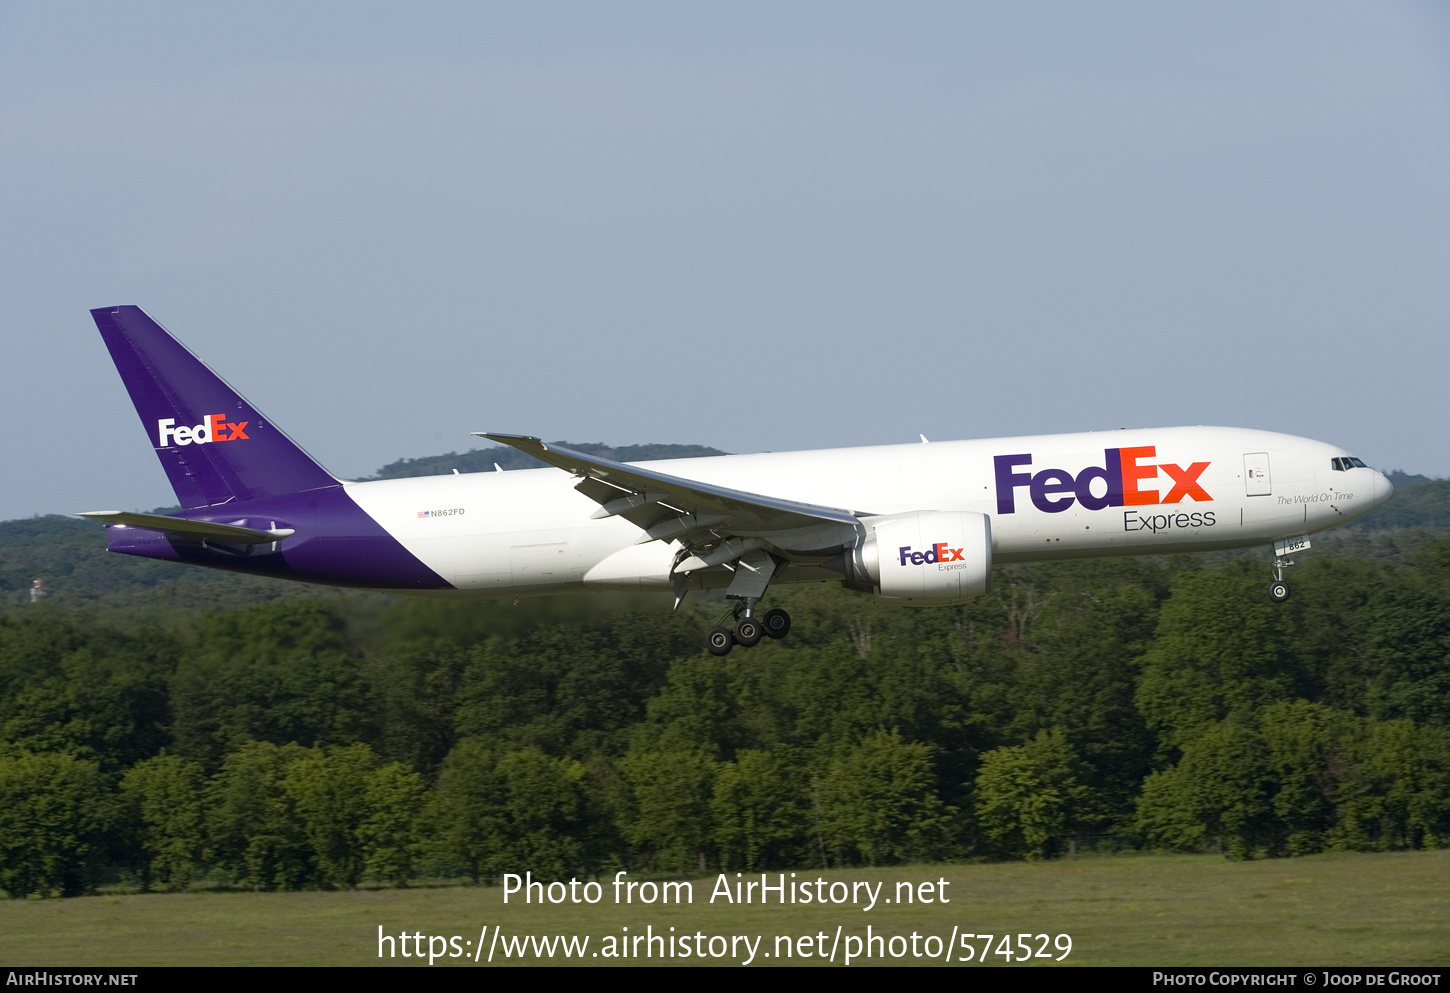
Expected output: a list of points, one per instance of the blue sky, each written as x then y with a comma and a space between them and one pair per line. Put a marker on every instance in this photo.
754, 226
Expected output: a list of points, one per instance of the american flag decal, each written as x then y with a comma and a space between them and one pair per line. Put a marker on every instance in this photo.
424, 513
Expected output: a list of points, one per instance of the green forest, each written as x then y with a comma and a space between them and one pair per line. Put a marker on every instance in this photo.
177, 728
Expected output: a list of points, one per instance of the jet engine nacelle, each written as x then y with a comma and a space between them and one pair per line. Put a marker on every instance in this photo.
926, 558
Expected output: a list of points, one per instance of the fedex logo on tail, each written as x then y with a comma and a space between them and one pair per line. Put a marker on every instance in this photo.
1054, 490
216, 427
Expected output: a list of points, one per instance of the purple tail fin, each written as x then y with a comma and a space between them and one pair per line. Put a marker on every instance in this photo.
214, 445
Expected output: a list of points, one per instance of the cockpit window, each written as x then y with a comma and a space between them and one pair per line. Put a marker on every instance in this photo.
1357, 463
1347, 462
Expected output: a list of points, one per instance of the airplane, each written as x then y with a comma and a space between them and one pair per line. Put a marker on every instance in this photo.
913, 524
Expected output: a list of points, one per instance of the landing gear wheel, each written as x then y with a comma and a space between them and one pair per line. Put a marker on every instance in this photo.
719, 641
1278, 591
748, 632
776, 623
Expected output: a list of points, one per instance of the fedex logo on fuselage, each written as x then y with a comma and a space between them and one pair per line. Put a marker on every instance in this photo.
936, 553
216, 427
1054, 490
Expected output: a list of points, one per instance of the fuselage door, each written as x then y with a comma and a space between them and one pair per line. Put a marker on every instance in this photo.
538, 565
1256, 474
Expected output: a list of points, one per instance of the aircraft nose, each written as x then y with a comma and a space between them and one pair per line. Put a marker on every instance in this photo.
1383, 488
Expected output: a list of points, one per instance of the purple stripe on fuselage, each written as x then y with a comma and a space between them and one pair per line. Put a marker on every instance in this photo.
336, 544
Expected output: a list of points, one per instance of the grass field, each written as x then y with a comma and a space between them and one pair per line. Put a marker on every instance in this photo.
1391, 909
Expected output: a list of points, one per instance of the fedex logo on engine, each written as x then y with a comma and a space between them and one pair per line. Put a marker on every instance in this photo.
1054, 490
216, 427
936, 553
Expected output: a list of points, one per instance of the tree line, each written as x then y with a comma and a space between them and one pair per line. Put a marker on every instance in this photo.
328, 742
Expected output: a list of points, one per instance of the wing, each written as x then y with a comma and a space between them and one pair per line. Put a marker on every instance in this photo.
714, 525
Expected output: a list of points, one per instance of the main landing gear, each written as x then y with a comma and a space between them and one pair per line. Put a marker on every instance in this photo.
747, 629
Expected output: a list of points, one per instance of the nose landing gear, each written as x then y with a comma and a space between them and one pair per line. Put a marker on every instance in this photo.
1279, 589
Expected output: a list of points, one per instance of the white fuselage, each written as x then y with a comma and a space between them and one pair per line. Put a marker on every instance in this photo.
526, 532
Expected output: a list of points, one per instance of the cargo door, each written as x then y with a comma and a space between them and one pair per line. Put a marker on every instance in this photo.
1256, 474
543, 564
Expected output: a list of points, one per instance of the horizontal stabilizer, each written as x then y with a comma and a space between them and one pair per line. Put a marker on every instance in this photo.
231, 534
